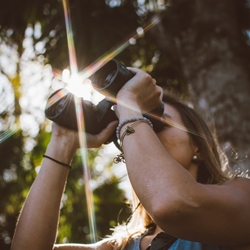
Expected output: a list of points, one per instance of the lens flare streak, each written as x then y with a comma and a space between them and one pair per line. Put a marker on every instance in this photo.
86, 171
80, 123
176, 125
167, 121
101, 61
71, 47
57, 97
9, 132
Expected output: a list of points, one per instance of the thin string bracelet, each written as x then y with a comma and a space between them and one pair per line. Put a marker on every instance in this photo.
59, 162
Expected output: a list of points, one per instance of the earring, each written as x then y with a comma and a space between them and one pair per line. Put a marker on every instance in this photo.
195, 157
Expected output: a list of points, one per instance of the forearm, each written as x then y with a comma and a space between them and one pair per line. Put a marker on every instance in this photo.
37, 224
157, 178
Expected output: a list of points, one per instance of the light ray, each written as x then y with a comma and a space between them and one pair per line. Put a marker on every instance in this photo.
9, 132
176, 125
117, 49
70, 39
56, 97
87, 175
97, 64
80, 123
101, 61
165, 120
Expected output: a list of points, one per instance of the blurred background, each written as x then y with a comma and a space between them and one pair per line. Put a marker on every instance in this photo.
198, 48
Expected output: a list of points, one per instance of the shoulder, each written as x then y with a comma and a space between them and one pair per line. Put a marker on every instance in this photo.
105, 244
241, 183
239, 188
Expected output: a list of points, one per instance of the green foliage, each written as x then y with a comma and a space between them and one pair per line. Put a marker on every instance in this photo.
166, 51
108, 200
16, 177
112, 206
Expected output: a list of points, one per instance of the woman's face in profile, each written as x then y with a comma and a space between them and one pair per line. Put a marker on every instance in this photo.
176, 139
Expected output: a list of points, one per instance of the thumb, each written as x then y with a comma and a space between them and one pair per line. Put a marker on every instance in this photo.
161, 90
105, 134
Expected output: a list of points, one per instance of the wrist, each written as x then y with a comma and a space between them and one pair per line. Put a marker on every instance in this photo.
129, 114
126, 110
61, 149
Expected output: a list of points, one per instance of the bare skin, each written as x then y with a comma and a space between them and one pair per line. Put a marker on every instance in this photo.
162, 175
176, 202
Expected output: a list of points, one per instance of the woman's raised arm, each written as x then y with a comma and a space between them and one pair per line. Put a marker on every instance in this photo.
37, 224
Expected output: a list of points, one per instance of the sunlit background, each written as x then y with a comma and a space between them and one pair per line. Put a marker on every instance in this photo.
166, 42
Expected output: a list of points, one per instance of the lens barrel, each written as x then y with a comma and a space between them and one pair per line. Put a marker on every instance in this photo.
111, 77
107, 80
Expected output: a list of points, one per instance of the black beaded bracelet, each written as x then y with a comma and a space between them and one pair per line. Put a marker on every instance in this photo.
61, 163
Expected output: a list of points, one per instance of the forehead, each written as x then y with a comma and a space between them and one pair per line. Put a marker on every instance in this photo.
173, 118
171, 113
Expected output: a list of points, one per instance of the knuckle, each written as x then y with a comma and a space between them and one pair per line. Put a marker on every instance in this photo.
145, 76
148, 78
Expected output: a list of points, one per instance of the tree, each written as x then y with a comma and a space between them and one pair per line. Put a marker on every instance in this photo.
19, 163
199, 48
207, 47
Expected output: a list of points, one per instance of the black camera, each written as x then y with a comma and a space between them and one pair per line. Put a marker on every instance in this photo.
108, 80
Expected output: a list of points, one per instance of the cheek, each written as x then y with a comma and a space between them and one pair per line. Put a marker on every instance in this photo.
169, 139
173, 137
178, 145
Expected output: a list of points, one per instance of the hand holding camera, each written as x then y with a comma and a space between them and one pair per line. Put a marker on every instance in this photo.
108, 80
141, 93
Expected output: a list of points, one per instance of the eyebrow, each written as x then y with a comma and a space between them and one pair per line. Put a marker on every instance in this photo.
166, 116
167, 119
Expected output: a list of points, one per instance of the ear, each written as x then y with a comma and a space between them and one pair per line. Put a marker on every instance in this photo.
197, 152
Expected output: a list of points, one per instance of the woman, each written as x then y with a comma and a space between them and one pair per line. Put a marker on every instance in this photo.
176, 175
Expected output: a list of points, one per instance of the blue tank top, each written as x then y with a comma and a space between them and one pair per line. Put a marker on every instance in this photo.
179, 244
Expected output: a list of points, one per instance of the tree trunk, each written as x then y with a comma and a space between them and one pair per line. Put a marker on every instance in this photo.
209, 48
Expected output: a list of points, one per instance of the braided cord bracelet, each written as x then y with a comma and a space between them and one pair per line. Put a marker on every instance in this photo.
129, 130
134, 119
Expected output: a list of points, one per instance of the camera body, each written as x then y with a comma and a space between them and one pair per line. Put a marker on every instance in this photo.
108, 80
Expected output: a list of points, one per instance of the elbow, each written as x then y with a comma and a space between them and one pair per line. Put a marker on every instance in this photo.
174, 211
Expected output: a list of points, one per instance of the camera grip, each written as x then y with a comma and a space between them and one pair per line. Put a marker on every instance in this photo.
61, 109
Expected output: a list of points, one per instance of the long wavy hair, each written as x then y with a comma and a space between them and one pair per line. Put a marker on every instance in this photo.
213, 169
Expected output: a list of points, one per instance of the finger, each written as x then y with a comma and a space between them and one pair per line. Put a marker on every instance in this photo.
104, 135
161, 91
134, 70
115, 110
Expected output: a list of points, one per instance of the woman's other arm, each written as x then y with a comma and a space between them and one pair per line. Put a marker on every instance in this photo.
37, 224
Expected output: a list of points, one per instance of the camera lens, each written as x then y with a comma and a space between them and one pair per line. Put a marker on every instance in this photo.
111, 77
55, 106
108, 79
60, 106
105, 76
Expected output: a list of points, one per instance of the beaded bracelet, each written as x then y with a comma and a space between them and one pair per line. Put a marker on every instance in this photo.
59, 162
134, 119
129, 130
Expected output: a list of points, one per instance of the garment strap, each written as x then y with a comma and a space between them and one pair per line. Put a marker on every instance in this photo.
162, 241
